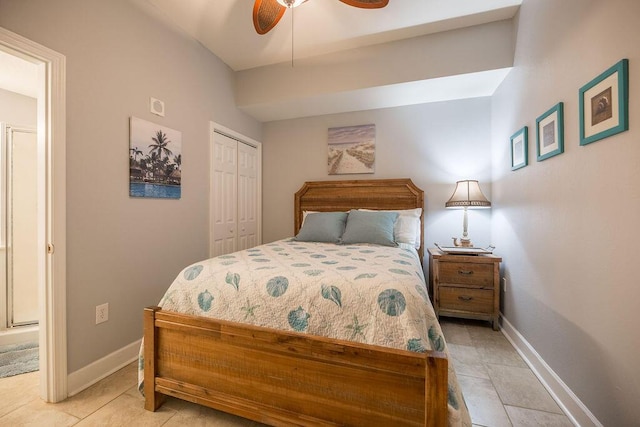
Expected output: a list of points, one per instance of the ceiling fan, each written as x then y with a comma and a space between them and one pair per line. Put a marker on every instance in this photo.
267, 13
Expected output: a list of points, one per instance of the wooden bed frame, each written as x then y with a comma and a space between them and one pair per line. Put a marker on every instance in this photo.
287, 378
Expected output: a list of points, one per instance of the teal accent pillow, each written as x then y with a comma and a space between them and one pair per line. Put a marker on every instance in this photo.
324, 227
370, 227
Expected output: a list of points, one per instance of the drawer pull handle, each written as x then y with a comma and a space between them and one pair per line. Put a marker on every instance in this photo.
465, 298
465, 272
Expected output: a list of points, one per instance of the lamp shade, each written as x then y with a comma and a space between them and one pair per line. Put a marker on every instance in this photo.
467, 195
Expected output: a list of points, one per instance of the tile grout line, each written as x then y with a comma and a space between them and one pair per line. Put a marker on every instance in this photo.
100, 407
20, 406
484, 365
91, 413
527, 367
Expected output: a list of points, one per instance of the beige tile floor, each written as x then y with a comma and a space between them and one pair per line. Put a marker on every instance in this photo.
499, 388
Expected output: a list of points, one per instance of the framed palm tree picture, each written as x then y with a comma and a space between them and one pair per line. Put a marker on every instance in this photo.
155, 160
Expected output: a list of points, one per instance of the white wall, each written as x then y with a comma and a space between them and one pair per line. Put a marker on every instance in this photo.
16, 109
426, 143
120, 250
566, 226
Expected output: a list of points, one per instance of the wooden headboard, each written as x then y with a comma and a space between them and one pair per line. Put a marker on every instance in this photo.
329, 196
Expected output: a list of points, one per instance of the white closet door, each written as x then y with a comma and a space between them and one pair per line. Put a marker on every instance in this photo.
247, 196
224, 184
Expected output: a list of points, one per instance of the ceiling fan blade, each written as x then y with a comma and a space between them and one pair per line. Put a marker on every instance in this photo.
266, 14
366, 4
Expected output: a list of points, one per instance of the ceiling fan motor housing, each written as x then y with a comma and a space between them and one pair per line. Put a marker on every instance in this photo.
290, 3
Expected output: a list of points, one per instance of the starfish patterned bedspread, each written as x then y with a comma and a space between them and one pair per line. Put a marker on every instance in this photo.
366, 293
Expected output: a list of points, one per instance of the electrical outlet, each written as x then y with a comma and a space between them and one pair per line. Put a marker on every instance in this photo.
102, 313
504, 284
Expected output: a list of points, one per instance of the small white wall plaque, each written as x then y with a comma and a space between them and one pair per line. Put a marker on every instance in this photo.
156, 106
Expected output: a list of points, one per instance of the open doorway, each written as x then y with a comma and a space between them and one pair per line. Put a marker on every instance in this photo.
18, 214
50, 242
19, 334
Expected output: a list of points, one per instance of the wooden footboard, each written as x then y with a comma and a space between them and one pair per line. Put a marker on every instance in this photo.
283, 378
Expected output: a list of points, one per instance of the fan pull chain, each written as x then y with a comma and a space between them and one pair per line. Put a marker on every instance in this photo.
292, 37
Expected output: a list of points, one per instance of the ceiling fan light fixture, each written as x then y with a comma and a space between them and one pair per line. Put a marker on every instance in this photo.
290, 3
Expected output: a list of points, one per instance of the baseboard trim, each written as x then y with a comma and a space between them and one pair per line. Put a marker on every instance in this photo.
19, 335
89, 375
577, 411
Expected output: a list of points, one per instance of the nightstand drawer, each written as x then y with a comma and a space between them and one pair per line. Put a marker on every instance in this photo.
464, 299
466, 273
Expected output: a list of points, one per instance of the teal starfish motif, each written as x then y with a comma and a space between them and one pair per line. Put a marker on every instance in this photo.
248, 309
356, 328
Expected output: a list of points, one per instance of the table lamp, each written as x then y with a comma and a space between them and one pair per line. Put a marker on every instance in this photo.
467, 195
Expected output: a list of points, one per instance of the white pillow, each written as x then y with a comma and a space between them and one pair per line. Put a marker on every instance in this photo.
407, 226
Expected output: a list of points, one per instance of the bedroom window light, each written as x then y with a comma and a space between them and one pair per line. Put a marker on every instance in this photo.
467, 195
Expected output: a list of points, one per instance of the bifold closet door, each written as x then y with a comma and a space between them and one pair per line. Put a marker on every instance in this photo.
225, 197
235, 195
247, 196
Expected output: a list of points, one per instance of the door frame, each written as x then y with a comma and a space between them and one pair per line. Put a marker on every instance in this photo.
213, 127
51, 127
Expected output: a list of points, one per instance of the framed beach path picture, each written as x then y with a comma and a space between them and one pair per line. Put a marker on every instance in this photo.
155, 160
352, 149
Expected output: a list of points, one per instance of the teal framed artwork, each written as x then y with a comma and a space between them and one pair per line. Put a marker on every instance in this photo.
520, 149
604, 104
550, 132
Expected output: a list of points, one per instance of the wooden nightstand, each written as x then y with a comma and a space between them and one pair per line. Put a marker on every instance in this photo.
465, 286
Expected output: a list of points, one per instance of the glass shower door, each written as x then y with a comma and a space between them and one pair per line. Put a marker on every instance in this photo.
21, 209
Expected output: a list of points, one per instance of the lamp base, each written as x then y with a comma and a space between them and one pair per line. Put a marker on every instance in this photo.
464, 243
